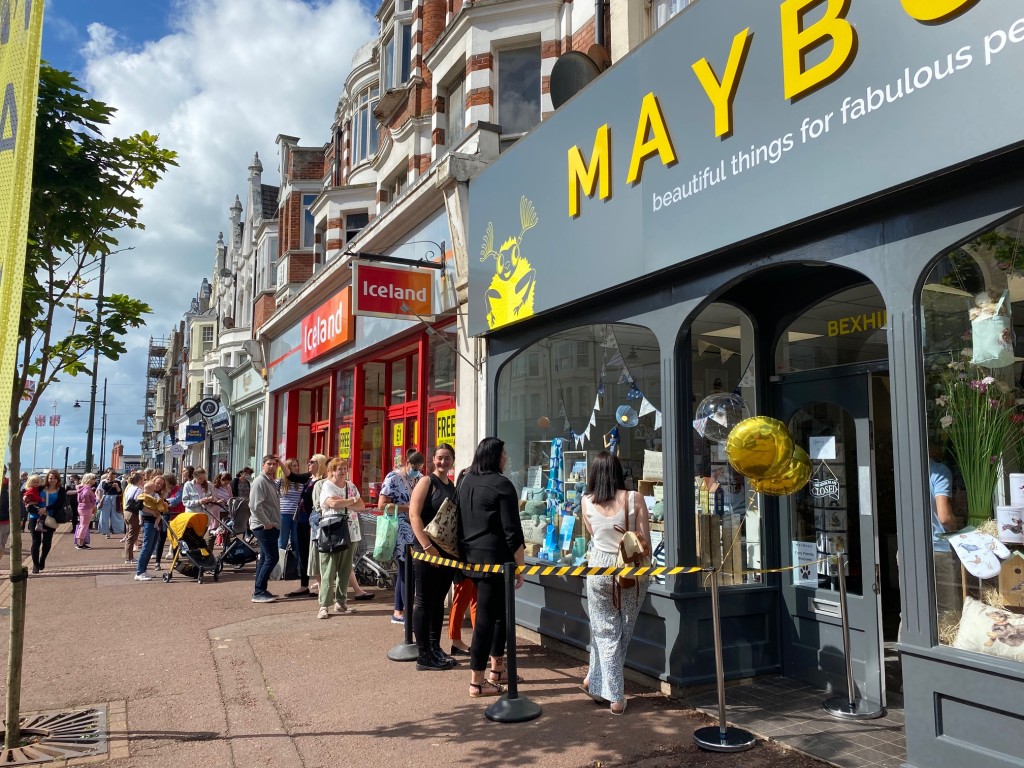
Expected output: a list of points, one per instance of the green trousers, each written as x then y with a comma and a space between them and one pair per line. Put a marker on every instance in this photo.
335, 568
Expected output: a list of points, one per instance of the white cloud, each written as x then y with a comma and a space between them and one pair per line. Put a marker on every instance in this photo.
229, 78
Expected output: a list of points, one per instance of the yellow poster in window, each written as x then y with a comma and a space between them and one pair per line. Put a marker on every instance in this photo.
344, 442
21, 31
398, 434
446, 426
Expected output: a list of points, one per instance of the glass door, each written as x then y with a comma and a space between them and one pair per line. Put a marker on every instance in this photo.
834, 513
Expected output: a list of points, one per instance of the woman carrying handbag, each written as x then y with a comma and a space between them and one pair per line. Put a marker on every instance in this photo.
339, 501
612, 515
432, 581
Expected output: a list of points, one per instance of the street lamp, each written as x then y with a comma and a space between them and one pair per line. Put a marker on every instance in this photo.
103, 439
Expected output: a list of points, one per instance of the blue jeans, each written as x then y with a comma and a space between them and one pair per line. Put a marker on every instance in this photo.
148, 544
268, 558
289, 533
110, 520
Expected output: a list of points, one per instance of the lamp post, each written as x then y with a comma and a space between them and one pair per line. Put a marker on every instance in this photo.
103, 420
95, 368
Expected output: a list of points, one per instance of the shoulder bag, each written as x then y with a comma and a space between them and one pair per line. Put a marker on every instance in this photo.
632, 554
443, 530
334, 535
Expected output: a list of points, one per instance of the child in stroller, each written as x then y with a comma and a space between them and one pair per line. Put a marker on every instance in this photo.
240, 545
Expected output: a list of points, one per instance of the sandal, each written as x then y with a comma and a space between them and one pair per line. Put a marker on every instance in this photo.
492, 689
498, 676
585, 687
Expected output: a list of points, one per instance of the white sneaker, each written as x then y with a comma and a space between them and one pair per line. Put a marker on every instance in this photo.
322, 613
143, 577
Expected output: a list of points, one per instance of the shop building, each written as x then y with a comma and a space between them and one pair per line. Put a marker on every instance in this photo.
771, 198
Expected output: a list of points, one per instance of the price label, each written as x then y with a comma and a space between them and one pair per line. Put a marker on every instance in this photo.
398, 434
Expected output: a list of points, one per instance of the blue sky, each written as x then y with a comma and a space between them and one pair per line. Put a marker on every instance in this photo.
66, 21
217, 81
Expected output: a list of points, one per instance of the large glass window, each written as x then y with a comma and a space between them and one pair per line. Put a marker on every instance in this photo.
593, 387
364, 126
396, 59
455, 112
442, 362
972, 306
727, 528
518, 91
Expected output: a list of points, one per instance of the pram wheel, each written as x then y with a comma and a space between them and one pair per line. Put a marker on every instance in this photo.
167, 577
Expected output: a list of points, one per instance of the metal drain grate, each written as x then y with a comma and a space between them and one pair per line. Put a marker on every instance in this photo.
59, 736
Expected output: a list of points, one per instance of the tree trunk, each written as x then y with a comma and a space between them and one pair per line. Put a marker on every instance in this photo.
19, 588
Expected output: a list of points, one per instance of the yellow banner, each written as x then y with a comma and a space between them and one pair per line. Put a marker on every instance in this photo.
344, 442
21, 33
446, 426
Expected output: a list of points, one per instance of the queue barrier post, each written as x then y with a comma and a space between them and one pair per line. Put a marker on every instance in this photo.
849, 707
408, 650
511, 707
721, 737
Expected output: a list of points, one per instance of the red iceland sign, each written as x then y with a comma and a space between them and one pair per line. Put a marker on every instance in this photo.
329, 326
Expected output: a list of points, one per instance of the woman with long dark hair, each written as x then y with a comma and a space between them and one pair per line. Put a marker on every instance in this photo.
432, 582
609, 510
489, 533
54, 498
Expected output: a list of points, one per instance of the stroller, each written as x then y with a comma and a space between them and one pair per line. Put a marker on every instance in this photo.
370, 572
192, 555
240, 545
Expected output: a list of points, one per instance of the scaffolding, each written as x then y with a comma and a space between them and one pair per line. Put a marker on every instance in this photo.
156, 367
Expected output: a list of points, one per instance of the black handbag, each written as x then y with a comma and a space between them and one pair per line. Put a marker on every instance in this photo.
334, 536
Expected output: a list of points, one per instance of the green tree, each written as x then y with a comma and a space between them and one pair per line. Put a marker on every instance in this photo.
85, 191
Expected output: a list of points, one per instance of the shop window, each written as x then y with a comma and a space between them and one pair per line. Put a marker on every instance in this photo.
442, 362
398, 382
344, 390
518, 92
373, 392
849, 327
972, 319
622, 373
727, 531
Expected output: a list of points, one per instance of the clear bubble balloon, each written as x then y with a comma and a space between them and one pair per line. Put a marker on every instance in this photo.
717, 414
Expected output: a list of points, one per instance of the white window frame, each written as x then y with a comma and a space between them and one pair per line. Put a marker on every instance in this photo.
396, 64
364, 125
455, 113
207, 343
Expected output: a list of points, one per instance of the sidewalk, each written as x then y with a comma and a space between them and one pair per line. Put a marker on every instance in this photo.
204, 677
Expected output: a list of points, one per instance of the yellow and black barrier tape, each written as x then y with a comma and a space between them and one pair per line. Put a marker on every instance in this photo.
583, 570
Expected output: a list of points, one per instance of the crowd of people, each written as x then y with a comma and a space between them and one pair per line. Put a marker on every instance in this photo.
302, 514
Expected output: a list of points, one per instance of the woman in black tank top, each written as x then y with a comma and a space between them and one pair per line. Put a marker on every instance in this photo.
432, 582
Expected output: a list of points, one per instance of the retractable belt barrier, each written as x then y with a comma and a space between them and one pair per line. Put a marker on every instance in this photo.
583, 570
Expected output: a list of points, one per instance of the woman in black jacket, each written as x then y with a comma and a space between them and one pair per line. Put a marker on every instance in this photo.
54, 497
489, 533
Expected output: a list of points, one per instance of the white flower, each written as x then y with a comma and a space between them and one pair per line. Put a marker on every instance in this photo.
988, 380
941, 401
945, 421
967, 352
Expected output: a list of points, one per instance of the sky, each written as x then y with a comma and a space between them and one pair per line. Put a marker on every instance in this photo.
217, 81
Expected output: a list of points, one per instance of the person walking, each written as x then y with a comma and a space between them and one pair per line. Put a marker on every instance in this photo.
432, 582
339, 499
132, 515
154, 509
108, 497
489, 533
86, 509
53, 497
609, 510
397, 489
265, 520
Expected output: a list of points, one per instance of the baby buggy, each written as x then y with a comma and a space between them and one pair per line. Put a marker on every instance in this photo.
239, 543
370, 572
192, 555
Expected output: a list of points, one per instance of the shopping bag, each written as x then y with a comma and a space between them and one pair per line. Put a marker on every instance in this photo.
387, 534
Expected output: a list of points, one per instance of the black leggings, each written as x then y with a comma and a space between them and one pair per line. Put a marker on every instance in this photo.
161, 539
44, 539
489, 630
303, 531
432, 584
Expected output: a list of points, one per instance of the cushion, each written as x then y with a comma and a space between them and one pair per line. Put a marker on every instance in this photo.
990, 630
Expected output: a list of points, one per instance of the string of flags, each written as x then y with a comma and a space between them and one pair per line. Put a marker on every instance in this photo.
625, 377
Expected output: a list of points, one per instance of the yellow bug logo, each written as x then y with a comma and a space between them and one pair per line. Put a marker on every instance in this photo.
510, 293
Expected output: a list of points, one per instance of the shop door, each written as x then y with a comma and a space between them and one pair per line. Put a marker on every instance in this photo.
830, 418
318, 439
403, 434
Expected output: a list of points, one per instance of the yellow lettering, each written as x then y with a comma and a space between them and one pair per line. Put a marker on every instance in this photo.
597, 173
935, 10
721, 93
844, 326
798, 41
833, 328
652, 123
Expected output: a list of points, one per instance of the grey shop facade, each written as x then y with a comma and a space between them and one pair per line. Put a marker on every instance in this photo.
813, 217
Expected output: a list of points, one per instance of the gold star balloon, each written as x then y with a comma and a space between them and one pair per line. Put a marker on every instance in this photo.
791, 479
759, 447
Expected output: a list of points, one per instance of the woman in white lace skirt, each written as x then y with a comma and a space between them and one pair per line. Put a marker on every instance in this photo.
608, 511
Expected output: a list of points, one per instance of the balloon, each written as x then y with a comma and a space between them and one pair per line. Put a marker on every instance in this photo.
759, 447
720, 413
543, 422
789, 480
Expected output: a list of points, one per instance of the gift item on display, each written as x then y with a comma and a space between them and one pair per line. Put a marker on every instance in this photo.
979, 553
987, 629
991, 332
1016, 489
1011, 524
